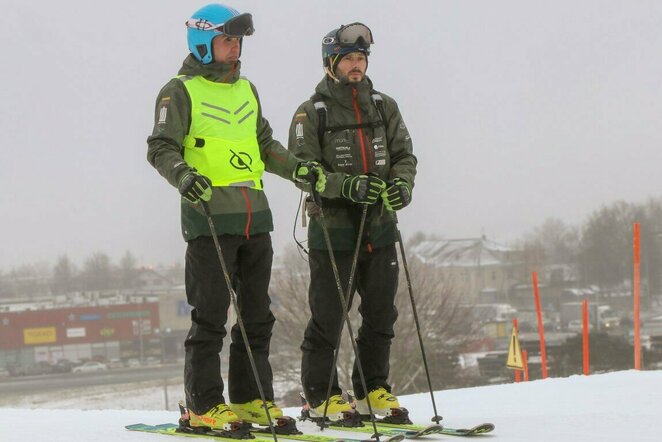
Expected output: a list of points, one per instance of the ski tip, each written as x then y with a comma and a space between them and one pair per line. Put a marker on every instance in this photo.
474, 431
484, 428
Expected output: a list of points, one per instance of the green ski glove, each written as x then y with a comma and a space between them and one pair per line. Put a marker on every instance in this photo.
306, 171
397, 195
363, 189
194, 187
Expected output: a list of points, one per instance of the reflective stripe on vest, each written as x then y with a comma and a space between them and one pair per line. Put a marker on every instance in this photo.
222, 140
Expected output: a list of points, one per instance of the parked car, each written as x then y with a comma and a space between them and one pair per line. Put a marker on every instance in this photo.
133, 362
151, 360
577, 326
115, 363
39, 368
90, 366
63, 366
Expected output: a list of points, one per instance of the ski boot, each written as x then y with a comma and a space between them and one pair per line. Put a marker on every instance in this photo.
339, 413
254, 413
218, 421
383, 404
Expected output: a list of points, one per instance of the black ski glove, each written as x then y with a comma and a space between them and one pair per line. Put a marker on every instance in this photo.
308, 171
397, 195
194, 187
363, 189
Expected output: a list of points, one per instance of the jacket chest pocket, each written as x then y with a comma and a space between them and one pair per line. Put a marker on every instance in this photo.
340, 151
379, 155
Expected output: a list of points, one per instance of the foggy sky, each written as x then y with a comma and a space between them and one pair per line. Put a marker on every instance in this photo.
518, 110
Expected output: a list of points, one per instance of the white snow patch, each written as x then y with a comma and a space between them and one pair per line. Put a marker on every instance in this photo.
622, 406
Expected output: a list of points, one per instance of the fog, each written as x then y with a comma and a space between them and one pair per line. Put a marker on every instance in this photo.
519, 110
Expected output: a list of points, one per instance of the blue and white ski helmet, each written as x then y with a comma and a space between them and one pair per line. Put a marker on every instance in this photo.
203, 26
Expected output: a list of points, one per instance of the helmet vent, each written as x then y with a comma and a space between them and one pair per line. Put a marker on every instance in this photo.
202, 50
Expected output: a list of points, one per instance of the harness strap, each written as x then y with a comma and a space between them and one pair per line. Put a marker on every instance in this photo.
322, 111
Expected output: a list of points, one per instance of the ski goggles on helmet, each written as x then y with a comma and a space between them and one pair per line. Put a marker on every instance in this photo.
354, 34
239, 26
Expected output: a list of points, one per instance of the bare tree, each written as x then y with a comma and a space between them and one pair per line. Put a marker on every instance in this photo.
606, 246
289, 292
97, 272
552, 243
128, 271
64, 273
443, 329
29, 280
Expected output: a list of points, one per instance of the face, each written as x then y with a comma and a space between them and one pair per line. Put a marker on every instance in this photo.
352, 66
226, 49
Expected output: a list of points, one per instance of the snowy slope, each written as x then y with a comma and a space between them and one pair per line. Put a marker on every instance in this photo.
623, 406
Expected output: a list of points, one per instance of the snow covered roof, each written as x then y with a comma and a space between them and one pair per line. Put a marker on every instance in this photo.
470, 252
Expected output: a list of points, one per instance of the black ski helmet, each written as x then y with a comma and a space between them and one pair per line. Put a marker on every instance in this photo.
355, 37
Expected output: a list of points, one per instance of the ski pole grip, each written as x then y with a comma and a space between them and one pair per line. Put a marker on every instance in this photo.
205, 207
313, 190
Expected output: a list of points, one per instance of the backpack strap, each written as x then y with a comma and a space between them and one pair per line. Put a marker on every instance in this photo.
320, 108
379, 104
322, 111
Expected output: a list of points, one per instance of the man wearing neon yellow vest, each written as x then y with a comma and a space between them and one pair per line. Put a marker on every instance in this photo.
212, 143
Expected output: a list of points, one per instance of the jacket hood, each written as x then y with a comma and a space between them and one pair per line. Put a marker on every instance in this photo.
218, 72
342, 91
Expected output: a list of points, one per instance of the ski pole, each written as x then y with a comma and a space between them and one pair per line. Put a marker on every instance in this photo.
240, 321
344, 303
436, 417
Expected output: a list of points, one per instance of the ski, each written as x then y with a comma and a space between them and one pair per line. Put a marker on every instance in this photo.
285, 427
473, 431
391, 431
399, 418
176, 430
397, 422
307, 437
394, 430
352, 422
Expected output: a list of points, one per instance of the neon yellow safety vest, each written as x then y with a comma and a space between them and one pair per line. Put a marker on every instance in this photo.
222, 140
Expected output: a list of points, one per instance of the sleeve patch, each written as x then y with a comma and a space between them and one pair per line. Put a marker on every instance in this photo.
163, 110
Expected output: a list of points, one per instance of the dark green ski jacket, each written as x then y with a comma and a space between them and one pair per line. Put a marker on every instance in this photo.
383, 148
235, 210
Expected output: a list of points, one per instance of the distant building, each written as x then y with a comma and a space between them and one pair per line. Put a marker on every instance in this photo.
56, 331
154, 279
102, 325
479, 270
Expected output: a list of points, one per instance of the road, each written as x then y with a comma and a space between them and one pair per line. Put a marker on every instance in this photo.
31, 384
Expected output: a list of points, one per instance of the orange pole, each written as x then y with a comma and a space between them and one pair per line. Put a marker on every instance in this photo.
541, 328
517, 372
585, 337
636, 287
525, 361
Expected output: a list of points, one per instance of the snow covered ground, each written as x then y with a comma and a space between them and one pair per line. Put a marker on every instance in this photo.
623, 406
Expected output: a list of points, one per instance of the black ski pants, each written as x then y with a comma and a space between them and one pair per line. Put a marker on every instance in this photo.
376, 281
249, 266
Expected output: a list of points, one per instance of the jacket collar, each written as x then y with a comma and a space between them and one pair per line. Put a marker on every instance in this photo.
343, 92
217, 72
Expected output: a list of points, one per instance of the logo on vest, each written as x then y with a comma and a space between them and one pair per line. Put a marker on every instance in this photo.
241, 161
